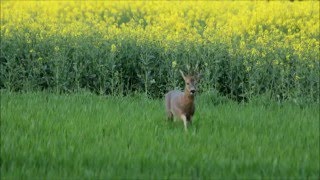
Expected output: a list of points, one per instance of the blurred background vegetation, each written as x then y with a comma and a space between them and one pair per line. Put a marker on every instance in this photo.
241, 49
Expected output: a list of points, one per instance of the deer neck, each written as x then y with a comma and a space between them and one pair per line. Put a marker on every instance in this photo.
188, 97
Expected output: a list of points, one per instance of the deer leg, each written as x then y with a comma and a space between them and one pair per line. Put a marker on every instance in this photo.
189, 119
184, 119
169, 116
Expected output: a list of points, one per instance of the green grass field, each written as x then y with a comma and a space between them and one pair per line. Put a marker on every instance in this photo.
82, 135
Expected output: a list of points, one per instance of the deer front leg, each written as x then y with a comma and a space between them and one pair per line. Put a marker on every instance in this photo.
189, 119
184, 119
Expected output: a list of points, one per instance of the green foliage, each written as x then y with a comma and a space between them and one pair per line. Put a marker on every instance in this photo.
75, 65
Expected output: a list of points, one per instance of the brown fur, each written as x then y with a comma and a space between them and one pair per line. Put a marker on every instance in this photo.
181, 104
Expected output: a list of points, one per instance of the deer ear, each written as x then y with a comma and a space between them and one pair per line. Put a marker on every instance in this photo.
182, 75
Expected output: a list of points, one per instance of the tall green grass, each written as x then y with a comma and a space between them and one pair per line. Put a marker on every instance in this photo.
87, 136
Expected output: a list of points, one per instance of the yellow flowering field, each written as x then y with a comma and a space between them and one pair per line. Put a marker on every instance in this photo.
242, 49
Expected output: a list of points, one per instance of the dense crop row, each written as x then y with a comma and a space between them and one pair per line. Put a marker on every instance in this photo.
242, 49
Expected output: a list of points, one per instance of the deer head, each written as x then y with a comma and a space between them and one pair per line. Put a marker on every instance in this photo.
190, 83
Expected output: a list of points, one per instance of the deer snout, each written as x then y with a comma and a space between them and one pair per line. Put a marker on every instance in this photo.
192, 91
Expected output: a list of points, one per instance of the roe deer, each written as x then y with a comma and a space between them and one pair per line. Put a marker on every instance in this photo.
181, 104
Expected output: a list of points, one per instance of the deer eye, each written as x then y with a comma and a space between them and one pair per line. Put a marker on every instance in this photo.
187, 83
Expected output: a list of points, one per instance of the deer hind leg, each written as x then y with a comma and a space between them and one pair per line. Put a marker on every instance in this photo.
168, 107
189, 119
185, 122
169, 116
